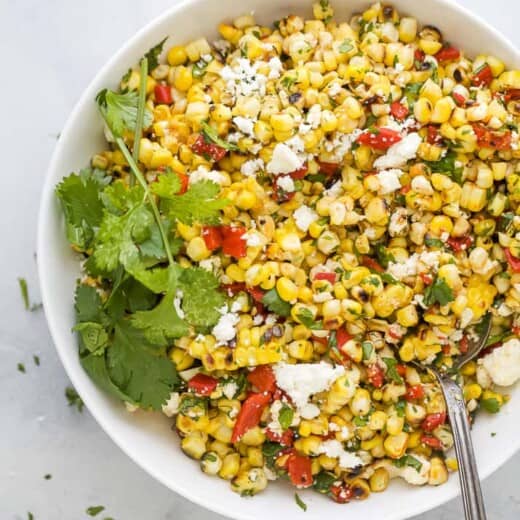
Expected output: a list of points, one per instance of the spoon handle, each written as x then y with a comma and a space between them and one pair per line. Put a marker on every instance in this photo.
468, 475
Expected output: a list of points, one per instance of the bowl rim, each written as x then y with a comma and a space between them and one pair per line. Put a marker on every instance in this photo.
100, 413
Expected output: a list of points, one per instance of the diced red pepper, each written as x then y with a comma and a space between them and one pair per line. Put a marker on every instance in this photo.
433, 420
459, 99
250, 414
212, 237
330, 277
256, 293
341, 493
299, 468
234, 288
464, 344
262, 377
380, 139
414, 392
233, 243
300, 173
419, 55
342, 336
447, 54
431, 441
512, 94
516, 330
401, 369
163, 94
513, 262
488, 139
483, 77
211, 150
202, 384
285, 439
405, 189
433, 136
321, 341
185, 180
279, 194
460, 243
399, 111
376, 375
426, 278
328, 168
371, 264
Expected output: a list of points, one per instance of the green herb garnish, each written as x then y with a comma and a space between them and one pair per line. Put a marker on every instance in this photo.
438, 292
391, 370
274, 303
301, 504
74, 399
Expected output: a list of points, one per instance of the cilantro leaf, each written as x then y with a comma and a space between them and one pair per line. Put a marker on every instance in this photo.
93, 335
323, 481
211, 135
140, 369
120, 111
400, 407
167, 185
88, 304
301, 504
285, 416
383, 256
368, 349
74, 399
411, 92
153, 54
95, 510
439, 291
202, 297
408, 460
434, 242
80, 199
22, 282
118, 198
306, 317
391, 370
274, 303
199, 204
446, 165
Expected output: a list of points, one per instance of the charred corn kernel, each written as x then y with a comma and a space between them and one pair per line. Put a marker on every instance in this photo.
300, 349
395, 445
472, 197
230, 466
394, 425
407, 316
497, 204
249, 482
253, 437
181, 358
197, 111
235, 273
407, 29
360, 404
177, 55
197, 249
255, 457
353, 107
438, 472
377, 420
197, 48
182, 79
187, 232
423, 110
376, 211
194, 444
379, 480
429, 46
287, 289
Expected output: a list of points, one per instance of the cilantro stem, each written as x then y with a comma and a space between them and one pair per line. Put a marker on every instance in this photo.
142, 181
140, 112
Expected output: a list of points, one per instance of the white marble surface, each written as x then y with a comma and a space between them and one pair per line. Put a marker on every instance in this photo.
50, 50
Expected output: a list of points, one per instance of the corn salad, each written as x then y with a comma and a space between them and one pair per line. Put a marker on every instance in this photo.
369, 174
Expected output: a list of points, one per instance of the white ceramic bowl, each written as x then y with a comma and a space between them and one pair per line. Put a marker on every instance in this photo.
146, 437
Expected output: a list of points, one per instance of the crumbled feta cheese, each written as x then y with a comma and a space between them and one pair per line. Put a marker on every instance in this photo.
504, 310
286, 183
258, 319
334, 449
275, 68
415, 264
229, 389
203, 174
251, 167
171, 407
465, 318
503, 363
389, 180
254, 238
243, 78
271, 320
398, 223
411, 475
245, 125
304, 217
334, 89
340, 144
177, 304
399, 153
211, 264
335, 190
422, 185
322, 297
284, 160
225, 330
303, 380
314, 116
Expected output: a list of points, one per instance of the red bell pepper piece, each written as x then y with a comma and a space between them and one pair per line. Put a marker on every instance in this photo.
256, 293
431, 441
512, 94
433, 136
376, 375
300, 173
513, 262
464, 344
321, 341
458, 98
401, 369
482, 77
233, 243
399, 111
516, 330
459, 243
328, 168
432, 420
285, 439
211, 150
371, 264
342, 336
250, 414
419, 55
405, 189
299, 468
330, 277
163, 94
212, 237
488, 139
279, 194
380, 139
426, 278
414, 392
262, 377
341, 493
447, 54
202, 384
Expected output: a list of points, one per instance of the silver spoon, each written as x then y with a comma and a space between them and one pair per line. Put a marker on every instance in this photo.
468, 475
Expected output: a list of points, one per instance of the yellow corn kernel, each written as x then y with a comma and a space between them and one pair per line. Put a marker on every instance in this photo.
194, 444
197, 249
379, 480
287, 289
181, 358
423, 110
452, 464
407, 316
395, 445
177, 55
182, 79
438, 473
442, 110
472, 391
472, 197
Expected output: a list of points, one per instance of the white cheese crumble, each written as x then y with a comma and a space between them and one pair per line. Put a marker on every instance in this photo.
229, 389
304, 217
225, 330
503, 363
398, 222
417, 263
314, 116
171, 407
203, 174
389, 180
335, 190
285, 183
177, 304
422, 185
340, 144
284, 160
334, 449
275, 68
211, 264
243, 79
303, 380
251, 167
399, 153
465, 318
410, 474
254, 238
245, 125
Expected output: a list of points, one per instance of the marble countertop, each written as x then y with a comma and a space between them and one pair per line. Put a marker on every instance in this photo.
50, 51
